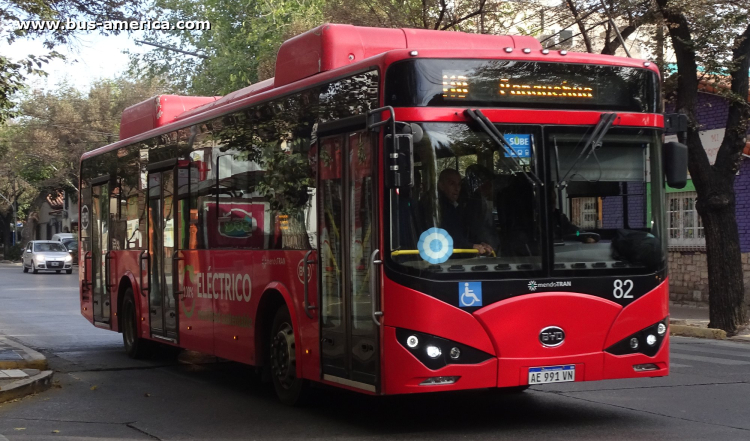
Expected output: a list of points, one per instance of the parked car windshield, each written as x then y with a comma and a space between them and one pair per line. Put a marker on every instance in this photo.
70, 244
50, 246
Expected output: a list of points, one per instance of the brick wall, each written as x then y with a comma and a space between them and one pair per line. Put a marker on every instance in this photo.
742, 209
612, 208
688, 275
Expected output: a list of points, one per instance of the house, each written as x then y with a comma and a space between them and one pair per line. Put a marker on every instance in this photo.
688, 269
58, 213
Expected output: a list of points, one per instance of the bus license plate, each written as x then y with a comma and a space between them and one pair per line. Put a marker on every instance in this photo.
552, 374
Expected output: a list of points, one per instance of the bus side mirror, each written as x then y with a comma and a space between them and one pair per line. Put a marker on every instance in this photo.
399, 162
675, 164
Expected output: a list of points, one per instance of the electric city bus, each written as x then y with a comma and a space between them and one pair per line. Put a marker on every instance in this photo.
396, 211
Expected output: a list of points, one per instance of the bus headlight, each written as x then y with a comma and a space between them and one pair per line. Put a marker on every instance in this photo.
646, 341
661, 329
433, 351
437, 352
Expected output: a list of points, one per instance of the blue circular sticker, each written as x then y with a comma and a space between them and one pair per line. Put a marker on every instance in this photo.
435, 245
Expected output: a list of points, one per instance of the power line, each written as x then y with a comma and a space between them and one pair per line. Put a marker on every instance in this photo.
169, 48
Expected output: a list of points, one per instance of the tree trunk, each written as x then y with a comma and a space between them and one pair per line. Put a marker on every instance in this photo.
725, 280
5, 233
714, 184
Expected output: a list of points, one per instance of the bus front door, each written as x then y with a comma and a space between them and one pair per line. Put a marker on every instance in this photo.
348, 232
99, 226
161, 247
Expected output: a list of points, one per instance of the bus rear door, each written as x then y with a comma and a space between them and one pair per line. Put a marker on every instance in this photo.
98, 258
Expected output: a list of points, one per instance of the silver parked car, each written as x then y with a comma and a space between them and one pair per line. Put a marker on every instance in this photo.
46, 255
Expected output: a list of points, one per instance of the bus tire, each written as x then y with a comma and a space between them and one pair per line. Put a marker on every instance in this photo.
282, 360
135, 346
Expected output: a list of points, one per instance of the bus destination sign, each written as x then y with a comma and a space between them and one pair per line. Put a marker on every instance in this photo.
458, 85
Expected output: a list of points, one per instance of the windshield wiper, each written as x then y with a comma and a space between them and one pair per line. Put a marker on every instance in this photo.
489, 128
594, 140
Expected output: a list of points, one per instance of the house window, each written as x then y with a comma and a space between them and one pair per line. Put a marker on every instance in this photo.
685, 226
585, 213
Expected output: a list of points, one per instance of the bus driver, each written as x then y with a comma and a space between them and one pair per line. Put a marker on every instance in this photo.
449, 189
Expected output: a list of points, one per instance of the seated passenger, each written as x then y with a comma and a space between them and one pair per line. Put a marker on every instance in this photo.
452, 217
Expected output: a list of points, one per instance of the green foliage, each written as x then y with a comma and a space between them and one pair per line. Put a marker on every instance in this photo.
14, 252
42, 147
240, 46
12, 12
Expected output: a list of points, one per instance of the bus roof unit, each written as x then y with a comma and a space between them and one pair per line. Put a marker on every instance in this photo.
156, 112
331, 46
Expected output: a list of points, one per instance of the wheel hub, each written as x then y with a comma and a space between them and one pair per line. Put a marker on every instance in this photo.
283, 356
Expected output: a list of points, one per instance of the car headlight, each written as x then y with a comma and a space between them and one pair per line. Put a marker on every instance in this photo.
41, 257
68, 258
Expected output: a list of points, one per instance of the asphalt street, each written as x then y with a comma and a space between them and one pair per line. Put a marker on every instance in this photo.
100, 394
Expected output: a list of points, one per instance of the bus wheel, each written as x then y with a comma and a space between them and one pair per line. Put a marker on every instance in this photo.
135, 347
283, 360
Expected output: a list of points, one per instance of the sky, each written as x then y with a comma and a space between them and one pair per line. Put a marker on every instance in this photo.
97, 57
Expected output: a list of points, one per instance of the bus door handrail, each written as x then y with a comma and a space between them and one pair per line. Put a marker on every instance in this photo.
107, 270
305, 282
176, 274
143, 256
373, 285
87, 256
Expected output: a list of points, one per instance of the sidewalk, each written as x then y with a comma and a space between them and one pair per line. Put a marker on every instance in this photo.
691, 320
22, 371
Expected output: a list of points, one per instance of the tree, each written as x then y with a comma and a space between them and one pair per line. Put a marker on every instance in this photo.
715, 36
40, 149
481, 16
239, 49
21, 14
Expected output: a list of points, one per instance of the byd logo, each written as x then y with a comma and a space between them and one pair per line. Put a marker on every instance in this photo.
551, 336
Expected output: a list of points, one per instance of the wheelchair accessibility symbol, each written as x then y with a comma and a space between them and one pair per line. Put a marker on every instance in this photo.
470, 294
435, 245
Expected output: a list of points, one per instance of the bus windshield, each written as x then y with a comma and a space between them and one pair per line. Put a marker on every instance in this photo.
475, 208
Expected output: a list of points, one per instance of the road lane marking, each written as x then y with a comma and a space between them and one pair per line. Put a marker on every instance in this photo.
718, 351
708, 359
678, 365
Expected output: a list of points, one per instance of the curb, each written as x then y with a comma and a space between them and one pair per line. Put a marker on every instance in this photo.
693, 331
28, 386
31, 359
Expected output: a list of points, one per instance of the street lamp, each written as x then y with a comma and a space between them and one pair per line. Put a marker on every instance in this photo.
15, 219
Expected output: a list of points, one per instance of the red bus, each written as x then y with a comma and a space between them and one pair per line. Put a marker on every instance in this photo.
397, 211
